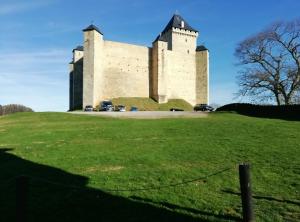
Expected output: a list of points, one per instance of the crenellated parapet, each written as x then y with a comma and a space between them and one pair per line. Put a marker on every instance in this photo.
184, 32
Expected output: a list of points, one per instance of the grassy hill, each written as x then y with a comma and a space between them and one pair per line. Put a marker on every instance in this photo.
87, 168
148, 104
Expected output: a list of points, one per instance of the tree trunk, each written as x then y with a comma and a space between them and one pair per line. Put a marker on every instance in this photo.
277, 98
287, 100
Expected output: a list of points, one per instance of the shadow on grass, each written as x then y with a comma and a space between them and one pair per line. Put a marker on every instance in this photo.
265, 198
283, 112
271, 116
58, 202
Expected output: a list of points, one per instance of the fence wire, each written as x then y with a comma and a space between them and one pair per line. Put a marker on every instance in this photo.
124, 189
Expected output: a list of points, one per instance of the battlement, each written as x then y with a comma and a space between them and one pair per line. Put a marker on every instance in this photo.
185, 32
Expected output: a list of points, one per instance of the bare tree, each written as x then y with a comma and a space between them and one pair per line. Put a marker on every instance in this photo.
271, 63
14, 108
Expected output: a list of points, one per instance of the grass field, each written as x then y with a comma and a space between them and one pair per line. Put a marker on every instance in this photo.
66, 154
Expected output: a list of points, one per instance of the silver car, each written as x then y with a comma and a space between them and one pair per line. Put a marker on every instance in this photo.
120, 108
88, 108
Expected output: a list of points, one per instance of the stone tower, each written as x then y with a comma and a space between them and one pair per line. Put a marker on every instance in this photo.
76, 75
173, 68
179, 67
92, 66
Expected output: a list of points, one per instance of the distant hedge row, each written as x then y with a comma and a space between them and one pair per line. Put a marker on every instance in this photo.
13, 108
291, 112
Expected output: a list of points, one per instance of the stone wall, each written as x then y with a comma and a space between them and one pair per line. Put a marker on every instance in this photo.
182, 76
126, 70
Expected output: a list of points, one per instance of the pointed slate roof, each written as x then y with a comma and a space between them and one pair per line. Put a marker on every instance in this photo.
78, 48
201, 48
176, 23
92, 28
160, 38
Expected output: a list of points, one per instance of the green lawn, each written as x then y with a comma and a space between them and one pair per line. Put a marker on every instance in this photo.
148, 104
103, 154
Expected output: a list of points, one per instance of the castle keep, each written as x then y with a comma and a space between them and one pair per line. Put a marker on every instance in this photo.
173, 68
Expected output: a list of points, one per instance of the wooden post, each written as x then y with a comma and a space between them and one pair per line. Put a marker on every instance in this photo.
246, 194
21, 198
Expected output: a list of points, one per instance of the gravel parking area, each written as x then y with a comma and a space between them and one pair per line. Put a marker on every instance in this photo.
147, 114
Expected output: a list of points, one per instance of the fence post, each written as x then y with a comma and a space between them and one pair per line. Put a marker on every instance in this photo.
21, 198
246, 194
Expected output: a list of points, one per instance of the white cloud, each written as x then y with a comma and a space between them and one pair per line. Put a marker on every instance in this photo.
12, 7
38, 79
21, 60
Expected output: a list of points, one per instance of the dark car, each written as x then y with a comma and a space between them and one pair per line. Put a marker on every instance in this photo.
106, 105
88, 108
176, 109
203, 107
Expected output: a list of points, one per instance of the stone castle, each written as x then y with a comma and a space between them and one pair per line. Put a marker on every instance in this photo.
173, 68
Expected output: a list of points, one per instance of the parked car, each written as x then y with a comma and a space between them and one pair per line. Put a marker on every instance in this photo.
106, 105
134, 109
176, 109
88, 108
120, 108
203, 107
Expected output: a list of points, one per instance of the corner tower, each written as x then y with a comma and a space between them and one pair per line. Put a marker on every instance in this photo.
179, 70
92, 66
76, 71
202, 78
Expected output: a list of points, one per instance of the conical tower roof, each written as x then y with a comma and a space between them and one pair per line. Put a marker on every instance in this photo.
176, 22
201, 48
92, 28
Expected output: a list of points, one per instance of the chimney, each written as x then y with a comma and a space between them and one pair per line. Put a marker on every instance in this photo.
182, 24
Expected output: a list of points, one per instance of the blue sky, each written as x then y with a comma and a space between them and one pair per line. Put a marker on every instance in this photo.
37, 38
